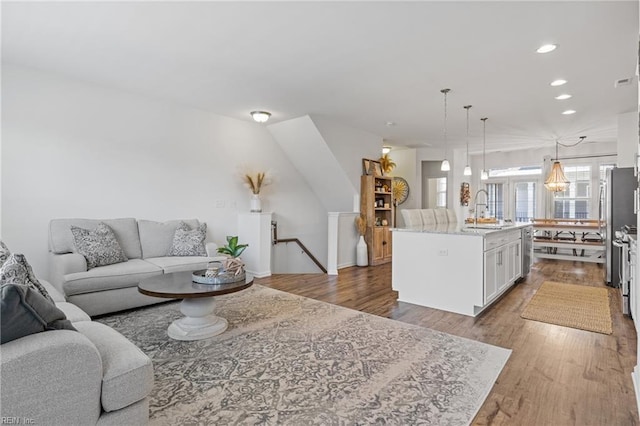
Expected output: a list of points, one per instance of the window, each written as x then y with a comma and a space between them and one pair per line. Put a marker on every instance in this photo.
574, 202
525, 201
495, 200
441, 192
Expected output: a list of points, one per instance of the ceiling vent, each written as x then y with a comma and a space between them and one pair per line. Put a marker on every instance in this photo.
622, 82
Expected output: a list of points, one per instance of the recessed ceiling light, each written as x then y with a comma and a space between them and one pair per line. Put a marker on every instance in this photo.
569, 112
558, 82
260, 116
390, 123
563, 96
546, 48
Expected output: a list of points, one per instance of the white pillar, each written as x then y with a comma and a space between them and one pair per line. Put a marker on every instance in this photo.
332, 246
255, 229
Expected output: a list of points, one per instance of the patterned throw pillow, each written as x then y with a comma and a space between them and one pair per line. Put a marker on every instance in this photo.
4, 253
189, 242
99, 246
16, 270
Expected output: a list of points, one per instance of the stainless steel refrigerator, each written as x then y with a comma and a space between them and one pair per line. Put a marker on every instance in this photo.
619, 211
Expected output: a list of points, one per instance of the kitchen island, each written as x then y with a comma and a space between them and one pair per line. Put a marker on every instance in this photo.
456, 268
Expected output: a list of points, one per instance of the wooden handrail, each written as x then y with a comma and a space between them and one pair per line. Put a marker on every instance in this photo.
275, 240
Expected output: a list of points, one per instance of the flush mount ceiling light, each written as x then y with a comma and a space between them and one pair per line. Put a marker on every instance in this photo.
467, 168
386, 149
559, 82
569, 112
445, 167
483, 174
563, 96
390, 123
260, 116
547, 48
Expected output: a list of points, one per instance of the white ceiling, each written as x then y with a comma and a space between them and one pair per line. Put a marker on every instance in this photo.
358, 63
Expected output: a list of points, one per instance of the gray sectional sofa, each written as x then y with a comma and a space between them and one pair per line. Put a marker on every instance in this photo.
90, 376
113, 288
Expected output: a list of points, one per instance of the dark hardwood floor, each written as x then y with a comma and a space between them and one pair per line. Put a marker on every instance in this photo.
555, 375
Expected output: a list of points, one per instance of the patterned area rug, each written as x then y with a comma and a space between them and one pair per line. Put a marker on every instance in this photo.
287, 359
571, 305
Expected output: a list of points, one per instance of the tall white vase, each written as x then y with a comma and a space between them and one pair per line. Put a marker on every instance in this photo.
255, 206
361, 252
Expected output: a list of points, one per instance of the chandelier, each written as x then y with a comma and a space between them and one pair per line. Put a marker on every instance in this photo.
556, 181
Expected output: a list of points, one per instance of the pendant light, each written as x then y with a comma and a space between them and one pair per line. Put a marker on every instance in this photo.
467, 168
557, 181
445, 167
484, 175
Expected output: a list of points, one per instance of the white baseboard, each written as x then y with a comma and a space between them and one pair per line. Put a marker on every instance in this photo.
261, 274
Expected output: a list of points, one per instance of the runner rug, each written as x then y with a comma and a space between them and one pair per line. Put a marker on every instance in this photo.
287, 359
570, 305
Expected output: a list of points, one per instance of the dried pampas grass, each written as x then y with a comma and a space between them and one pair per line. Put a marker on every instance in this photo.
361, 225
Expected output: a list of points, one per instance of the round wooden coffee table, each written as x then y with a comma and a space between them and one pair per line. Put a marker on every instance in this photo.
197, 304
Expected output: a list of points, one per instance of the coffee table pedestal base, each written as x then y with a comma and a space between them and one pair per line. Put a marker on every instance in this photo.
198, 322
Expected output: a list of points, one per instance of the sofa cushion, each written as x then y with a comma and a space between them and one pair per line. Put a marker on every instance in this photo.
188, 242
72, 312
99, 245
24, 311
125, 230
156, 237
127, 373
16, 270
119, 275
56, 296
171, 264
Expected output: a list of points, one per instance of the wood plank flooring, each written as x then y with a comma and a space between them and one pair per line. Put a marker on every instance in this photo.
555, 375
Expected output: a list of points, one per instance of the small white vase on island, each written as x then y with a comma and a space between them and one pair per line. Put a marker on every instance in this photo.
362, 258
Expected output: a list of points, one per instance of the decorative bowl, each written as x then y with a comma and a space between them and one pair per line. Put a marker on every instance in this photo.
223, 277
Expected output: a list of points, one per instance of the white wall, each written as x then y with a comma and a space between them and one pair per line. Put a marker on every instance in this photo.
405, 160
349, 146
72, 149
305, 146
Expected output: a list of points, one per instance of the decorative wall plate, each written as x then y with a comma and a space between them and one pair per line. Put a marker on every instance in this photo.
400, 189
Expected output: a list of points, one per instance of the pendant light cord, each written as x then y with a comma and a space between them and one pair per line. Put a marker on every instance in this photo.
445, 91
484, 143
582, 138
468, 107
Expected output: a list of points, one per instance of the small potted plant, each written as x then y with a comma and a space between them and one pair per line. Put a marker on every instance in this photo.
233, 265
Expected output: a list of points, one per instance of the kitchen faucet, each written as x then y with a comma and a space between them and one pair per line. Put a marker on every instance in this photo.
476, 204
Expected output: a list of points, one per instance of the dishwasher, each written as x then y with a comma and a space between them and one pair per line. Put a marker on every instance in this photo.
527, 250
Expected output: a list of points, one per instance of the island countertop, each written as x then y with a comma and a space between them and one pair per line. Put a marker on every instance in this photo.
464, 229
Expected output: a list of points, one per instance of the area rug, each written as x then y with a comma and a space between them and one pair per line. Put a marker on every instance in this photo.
570, 305
287, 359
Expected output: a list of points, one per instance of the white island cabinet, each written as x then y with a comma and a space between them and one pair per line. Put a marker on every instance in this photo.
455, 269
